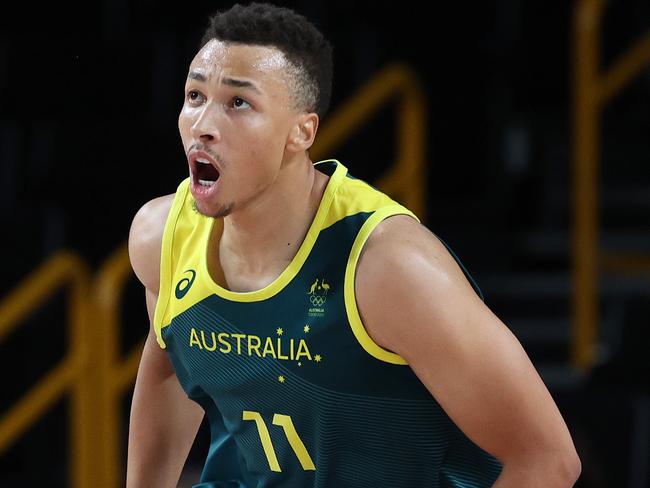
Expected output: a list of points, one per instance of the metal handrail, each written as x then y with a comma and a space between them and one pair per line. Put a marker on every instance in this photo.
592, 90
72, 375
116, 373
407, 177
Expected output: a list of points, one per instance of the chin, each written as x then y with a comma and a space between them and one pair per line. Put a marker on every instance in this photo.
214, 211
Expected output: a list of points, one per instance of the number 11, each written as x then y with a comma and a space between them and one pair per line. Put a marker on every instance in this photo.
296, 443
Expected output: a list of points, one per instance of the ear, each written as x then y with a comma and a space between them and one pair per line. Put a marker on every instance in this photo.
302, 134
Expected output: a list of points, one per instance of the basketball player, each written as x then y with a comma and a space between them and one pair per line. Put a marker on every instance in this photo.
329, 337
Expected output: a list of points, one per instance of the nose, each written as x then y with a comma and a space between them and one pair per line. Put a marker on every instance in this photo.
205, 127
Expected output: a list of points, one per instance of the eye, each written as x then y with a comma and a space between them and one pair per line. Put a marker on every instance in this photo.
194, 96
239, 103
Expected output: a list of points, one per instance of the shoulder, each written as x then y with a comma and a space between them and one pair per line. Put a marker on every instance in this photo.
145, 240
403, 245
405, 273
415, 301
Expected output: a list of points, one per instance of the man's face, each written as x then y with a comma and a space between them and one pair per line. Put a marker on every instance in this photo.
234, 124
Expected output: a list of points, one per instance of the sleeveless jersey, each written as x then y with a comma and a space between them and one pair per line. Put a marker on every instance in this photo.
296, 392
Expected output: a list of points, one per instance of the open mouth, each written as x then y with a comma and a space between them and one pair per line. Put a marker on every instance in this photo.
206, 174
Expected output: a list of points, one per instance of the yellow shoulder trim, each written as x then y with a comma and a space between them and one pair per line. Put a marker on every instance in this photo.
166, 261
355, 196
370, 346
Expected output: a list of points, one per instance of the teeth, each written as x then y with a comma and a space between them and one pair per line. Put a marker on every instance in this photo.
202, 161
206, 182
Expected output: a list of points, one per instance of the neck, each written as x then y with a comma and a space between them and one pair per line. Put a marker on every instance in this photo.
267, 232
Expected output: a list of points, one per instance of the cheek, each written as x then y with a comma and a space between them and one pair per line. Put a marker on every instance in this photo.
181, 121
270, 140
260, 168
259, 139
184, 124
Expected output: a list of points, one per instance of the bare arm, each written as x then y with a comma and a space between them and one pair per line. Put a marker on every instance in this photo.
164, 421
415, 301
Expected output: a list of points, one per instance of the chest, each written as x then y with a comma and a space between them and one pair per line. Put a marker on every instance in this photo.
296, 331
232, 272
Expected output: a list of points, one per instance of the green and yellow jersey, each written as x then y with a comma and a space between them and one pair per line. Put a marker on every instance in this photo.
296, 392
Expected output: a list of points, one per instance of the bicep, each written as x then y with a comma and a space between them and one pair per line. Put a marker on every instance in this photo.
427, 312
163, 421
155, 361
480, 374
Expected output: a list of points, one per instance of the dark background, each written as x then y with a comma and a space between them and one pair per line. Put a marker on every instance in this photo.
89, 99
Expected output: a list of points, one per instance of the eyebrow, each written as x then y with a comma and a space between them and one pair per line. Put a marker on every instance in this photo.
196, 75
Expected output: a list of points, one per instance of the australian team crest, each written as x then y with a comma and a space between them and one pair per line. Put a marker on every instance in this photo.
318, 296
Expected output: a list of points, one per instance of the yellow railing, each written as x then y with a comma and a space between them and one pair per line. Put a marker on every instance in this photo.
93, 367
116, 373
73, 375
406, 178
592, 91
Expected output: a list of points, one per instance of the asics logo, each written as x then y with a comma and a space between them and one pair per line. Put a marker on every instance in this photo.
185, 284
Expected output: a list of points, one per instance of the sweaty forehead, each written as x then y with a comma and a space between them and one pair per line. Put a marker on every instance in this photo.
262, 63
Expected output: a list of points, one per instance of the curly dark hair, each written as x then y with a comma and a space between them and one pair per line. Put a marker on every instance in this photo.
308, 52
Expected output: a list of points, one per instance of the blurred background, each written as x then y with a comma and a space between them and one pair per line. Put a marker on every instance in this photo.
519, 130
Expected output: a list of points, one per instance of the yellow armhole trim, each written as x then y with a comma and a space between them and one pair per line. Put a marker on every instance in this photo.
370, 346
166, 262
